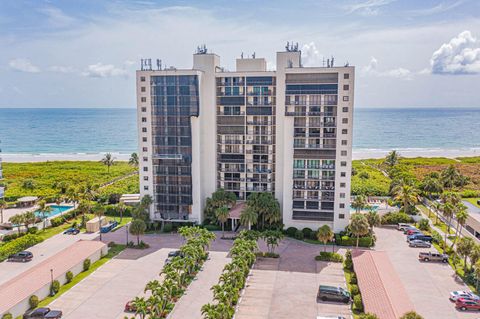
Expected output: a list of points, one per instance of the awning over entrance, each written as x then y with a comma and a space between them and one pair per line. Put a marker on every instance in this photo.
237, 210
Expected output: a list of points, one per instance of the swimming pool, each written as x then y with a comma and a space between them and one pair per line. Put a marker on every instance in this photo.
56, 210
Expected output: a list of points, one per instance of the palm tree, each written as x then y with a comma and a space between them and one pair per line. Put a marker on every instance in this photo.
407, 195
108, 160
411, 315
359, 225
137, 228
84, 207
476, 270
222, 215
464, 247
248, 217
121, 209
474, 254
3, 205
325, 234
133, 160
45, 210
17, 220
392, 158
373, 219
450, 176
461, 216
29, 218
359, 203
99, 211
431, 186
141, 307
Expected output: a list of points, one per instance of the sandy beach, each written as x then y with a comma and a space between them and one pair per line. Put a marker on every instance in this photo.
357, 154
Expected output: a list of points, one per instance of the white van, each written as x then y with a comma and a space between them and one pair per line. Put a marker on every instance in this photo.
402, 226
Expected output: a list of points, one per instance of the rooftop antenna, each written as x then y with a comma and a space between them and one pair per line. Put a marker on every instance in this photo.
159, 64
287, 47
328, 63
347, 64
332, 60
253, 55
141, 64
241, 55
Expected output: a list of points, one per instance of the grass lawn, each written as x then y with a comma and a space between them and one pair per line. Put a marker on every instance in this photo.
125, 220
440, 225
473, 201
112, 252
369, 180
46, 174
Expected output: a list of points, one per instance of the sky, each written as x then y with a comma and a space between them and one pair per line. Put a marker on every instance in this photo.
407, 53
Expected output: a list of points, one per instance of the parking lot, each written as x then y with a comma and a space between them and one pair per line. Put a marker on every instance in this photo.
41, 252
278, 293
427, 284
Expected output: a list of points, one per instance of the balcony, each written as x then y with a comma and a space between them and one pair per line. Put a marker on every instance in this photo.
314, 146
260, 123
259, 142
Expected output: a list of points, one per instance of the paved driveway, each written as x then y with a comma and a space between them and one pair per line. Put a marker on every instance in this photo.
199, 293
427, 284
104, 293
291, 294
42, 251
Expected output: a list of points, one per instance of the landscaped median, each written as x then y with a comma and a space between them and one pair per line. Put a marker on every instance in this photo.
227, 292
176, 275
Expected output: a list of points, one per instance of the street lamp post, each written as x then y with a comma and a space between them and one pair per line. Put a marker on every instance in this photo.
126, 231
51, 283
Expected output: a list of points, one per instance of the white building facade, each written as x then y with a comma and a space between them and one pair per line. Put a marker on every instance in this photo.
288, 132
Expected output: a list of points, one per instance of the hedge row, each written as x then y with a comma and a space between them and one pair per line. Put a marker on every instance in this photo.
18, 245
395, 218
352, 241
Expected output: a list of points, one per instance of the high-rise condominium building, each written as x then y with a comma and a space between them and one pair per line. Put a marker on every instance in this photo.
288, 132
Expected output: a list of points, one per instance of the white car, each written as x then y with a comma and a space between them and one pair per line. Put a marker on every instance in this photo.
455, 295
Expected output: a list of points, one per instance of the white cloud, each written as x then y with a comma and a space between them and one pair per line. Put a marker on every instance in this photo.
310, 55
371, 69
459, 56
368, 8
23, 65
101, 70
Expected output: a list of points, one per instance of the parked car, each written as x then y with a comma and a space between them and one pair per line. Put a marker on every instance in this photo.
108, 227
403, 226
71, 231
461, 294
467, 304
43, 313
433, 256
22, 256
409, 228
419, 243
175, 253
130, 307
330, 293
413, 232
420, 237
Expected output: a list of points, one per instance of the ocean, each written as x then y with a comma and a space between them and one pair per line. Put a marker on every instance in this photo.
94, 131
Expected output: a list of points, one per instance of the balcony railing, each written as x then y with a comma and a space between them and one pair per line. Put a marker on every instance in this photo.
314, 146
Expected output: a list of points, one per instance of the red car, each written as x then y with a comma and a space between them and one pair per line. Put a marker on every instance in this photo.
413, 231
467, 304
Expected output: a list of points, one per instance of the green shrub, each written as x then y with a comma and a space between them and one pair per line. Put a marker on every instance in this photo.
424, 224
7, 315
33, 230
69, 276
33, 301
298, 234
55, 287
307, 232
395, 218
86, 264
468, 193
357, 303
354, 290
168, 227
207, 227
352, 241
329, 256
18, 245
369, 316
291, 231
353, 279
348, 260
